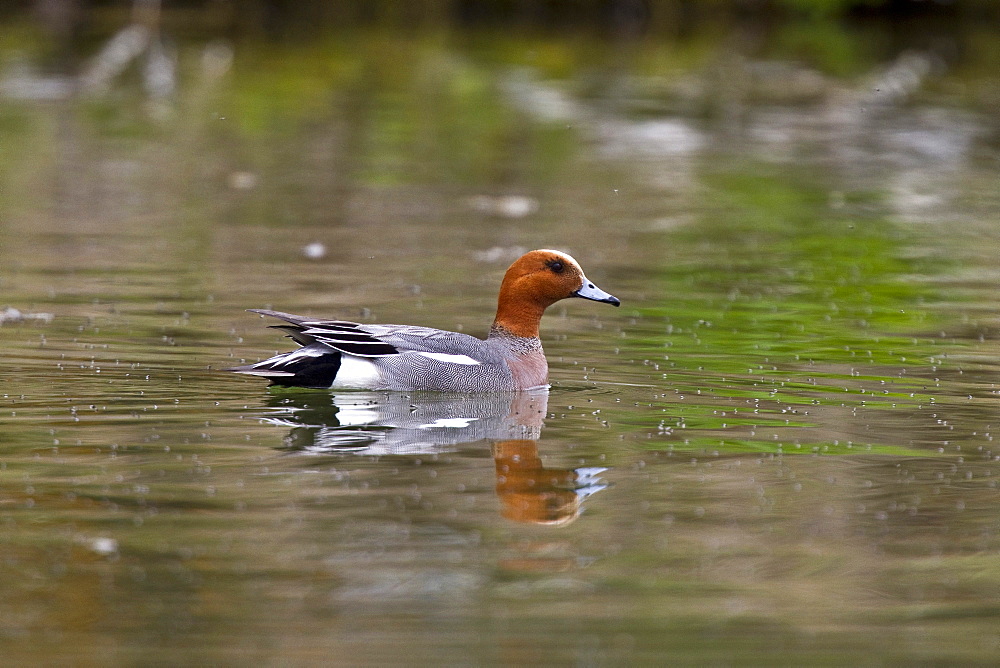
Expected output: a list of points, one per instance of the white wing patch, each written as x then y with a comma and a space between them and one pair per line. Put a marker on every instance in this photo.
452, 423
451, 359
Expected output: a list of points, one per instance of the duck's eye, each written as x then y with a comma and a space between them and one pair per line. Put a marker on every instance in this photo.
556, 266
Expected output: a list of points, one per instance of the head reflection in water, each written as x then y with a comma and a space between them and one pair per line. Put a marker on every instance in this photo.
529, 492
407, 424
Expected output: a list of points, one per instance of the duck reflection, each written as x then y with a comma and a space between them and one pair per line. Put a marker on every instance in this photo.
376, 424
529, 492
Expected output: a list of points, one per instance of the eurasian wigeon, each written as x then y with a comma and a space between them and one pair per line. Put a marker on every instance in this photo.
339, 354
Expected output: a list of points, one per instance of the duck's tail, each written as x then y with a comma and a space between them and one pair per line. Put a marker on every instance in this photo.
314, 365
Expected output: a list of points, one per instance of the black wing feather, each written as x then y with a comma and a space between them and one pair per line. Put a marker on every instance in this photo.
347, 337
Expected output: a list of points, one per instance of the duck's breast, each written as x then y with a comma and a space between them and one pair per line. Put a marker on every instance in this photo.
529, 370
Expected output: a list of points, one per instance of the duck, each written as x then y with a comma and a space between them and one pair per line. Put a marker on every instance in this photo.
339, 354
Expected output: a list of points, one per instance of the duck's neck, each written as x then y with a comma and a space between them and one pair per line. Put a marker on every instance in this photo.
517, 318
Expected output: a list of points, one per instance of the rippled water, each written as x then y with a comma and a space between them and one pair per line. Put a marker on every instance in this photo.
779, 450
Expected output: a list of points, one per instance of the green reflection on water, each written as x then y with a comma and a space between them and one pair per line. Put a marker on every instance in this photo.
782, 299
785, 281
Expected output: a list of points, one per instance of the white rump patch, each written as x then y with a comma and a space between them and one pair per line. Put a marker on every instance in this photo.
357, 373
452, 359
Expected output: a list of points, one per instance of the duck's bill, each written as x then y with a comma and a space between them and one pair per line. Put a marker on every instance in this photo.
594, 293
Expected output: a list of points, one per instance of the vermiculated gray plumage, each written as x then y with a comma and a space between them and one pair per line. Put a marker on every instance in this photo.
398, 352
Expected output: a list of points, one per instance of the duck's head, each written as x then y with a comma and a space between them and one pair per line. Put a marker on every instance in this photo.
537, 280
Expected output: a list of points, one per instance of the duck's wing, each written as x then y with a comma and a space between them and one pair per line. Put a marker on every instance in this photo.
347, 337
385, 340
437, 344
